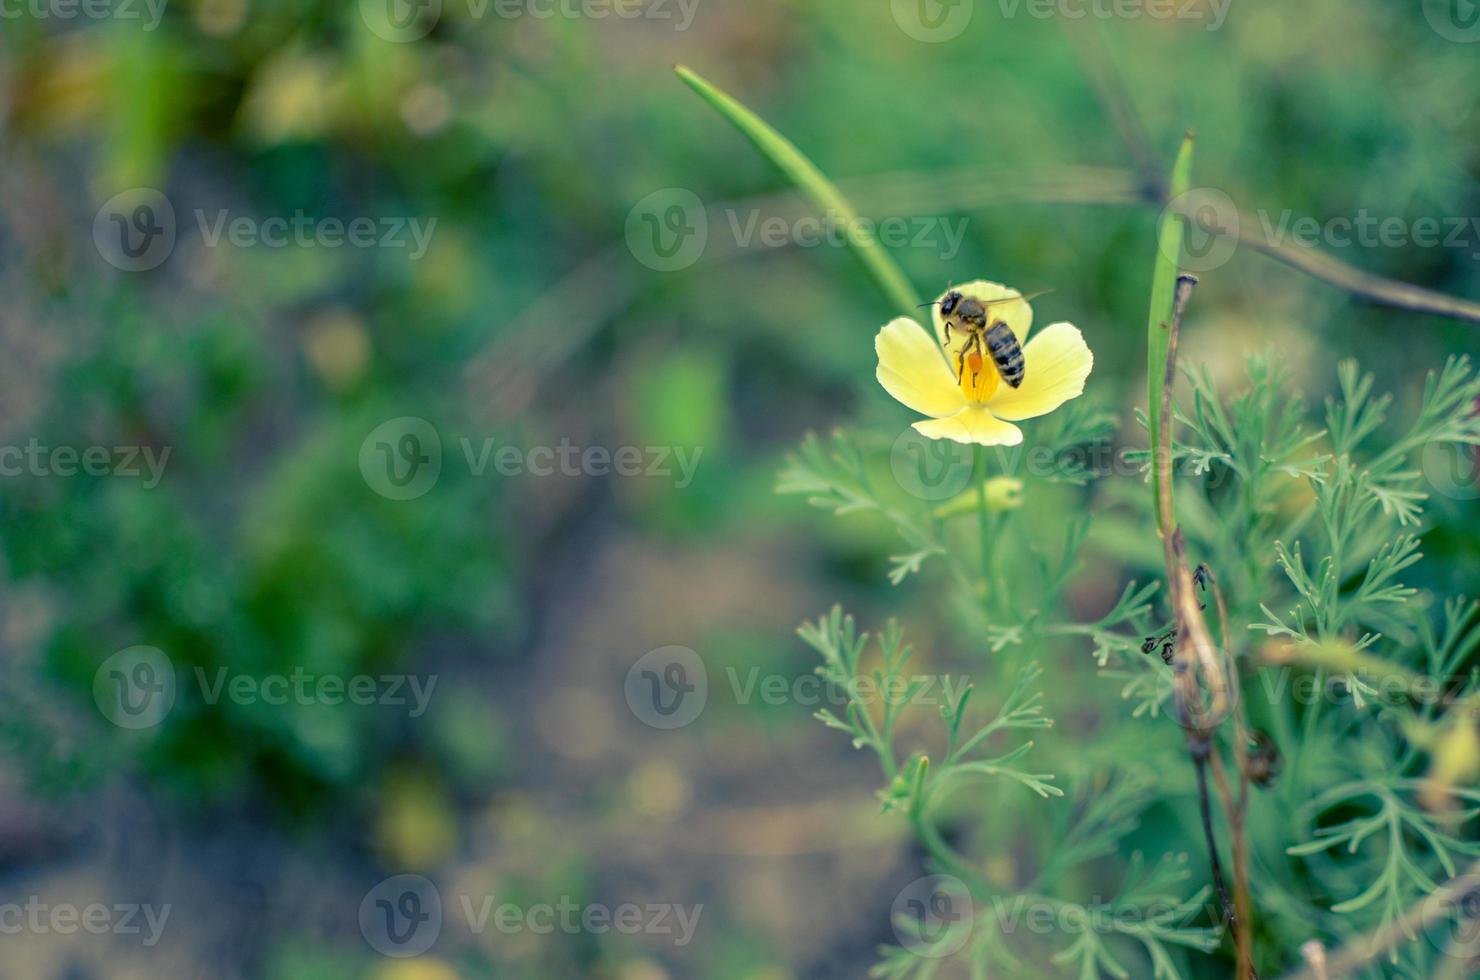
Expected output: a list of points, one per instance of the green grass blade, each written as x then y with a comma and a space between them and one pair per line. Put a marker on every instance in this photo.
1163, 290
804, 173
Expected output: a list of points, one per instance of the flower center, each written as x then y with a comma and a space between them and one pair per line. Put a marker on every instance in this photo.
979, 380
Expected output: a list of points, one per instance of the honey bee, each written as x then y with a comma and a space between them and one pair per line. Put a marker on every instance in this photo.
986, 337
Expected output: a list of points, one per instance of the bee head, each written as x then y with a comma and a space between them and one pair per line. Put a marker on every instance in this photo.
949, 302
971, 311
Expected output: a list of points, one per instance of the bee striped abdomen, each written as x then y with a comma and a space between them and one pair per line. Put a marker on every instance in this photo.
1002, 343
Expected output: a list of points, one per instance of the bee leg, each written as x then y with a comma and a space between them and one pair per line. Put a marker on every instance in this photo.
976, 342
948, 333
961, 363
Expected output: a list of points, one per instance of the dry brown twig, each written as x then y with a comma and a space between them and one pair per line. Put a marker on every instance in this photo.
1199, 666
1115, 99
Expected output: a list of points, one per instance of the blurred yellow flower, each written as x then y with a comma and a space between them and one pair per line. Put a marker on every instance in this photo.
921, 373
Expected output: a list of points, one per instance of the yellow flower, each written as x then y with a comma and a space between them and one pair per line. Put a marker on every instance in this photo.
921, 373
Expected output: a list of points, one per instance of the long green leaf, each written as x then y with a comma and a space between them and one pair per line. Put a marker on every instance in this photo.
804, 173
1163, 290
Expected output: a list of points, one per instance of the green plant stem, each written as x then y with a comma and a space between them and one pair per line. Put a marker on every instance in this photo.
1163, 293
819, 190
944, 854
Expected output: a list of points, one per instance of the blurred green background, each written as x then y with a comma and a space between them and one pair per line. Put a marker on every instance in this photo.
538, 151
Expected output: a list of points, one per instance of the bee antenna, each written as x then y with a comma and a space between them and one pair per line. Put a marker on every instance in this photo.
932, 303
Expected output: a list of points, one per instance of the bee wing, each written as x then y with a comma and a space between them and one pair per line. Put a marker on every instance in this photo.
1018, 296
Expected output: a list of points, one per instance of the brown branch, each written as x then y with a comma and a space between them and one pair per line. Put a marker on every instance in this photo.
1119, 107
1192, 628
1237, 809
1198, 665
1200, 756
1378, 289
1243, 907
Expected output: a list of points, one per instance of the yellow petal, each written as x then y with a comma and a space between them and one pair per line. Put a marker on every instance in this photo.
1017, 314
1055, 364
974, 423
912, 370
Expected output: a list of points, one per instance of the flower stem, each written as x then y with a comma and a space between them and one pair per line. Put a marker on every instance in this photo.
990, 583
